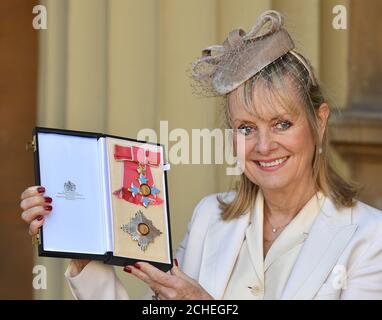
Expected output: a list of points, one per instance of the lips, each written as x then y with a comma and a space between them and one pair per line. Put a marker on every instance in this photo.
271, 164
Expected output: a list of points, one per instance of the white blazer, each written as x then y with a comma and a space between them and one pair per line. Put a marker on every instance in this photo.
340, 259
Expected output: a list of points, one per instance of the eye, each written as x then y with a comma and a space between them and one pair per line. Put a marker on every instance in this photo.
245, 130
283, 124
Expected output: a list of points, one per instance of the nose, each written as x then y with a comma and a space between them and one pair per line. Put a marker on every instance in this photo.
265, 144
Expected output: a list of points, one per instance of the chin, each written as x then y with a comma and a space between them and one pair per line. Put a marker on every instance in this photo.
275, 182
272, 185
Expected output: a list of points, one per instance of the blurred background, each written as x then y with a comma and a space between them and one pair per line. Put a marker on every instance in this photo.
117, 66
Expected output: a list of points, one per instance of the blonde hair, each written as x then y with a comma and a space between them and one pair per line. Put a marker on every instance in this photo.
295, 69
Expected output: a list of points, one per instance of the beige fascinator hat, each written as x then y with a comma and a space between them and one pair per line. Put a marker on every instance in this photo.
223, 68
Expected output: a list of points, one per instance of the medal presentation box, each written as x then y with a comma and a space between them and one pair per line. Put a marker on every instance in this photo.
110, 199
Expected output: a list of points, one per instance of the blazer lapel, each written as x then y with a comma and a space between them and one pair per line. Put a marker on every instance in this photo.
327, 239
222, 245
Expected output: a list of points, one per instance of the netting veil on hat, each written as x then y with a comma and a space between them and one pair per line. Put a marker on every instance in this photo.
223, 68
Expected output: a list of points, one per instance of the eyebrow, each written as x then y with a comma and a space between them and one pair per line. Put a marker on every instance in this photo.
274, 118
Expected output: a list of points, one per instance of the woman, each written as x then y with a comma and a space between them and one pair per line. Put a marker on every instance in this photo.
292, 228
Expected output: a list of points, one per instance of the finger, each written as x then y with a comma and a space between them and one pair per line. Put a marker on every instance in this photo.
157, 295
139, 274
175, 271
32, 191
161, 297
165, 293
35, 225
33, 213
34, 201
155, 274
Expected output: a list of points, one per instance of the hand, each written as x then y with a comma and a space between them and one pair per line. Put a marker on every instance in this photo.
36, 206
174, 285
80, 264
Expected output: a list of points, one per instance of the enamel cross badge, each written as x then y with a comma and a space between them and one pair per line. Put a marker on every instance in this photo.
138, 183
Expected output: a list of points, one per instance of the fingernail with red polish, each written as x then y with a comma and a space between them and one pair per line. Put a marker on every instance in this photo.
39, 218
137, 265
48, 199
127, 269
40, 189
176, 262
48, 208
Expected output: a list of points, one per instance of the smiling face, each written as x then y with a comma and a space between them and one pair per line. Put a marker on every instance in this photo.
279, 145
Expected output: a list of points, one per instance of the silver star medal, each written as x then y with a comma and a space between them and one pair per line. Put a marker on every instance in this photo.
142, 230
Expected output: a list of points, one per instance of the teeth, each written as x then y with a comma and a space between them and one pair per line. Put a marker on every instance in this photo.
273, 163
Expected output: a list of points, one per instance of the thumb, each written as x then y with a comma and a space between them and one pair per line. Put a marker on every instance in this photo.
175, 271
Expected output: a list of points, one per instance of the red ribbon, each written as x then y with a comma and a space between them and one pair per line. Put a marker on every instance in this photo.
131, 157
137, 154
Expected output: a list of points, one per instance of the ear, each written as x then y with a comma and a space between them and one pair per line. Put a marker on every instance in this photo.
323, 115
